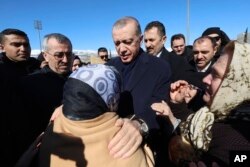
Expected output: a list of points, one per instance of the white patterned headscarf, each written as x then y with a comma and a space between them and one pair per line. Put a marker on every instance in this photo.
90, 91
103, 79
233, 91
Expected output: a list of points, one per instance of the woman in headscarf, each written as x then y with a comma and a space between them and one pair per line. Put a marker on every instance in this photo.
76, 63
79, 136
212, 133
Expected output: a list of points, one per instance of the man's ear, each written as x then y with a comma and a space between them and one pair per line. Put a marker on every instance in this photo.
45, 56
216, 49
164, 39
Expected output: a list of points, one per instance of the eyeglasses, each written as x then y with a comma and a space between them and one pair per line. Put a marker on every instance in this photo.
216, 38
104, 56
60, 55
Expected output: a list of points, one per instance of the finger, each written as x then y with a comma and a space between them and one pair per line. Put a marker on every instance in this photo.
123, 147
156, 107
131, 150
158, 110
183, 82
130, 144
119, 122
112, 146
124, 141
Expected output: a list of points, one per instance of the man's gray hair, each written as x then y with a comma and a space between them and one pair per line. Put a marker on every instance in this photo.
59, 37
125, 20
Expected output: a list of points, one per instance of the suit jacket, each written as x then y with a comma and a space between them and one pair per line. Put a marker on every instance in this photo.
187, 54
179, 66
148, 83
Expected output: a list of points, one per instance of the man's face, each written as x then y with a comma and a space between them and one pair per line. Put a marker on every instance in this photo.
58, 56
203, 53
153, 41
127, 42
215, 78
16, 48
103, 55
178, 46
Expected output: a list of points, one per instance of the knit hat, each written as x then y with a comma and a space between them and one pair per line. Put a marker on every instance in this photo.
91, 91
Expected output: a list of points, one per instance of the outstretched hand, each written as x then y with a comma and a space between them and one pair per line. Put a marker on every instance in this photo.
182, 91
127, 140
164, 110
177, 91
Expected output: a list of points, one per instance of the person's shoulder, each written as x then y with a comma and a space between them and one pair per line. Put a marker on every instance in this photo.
33, 60
38, 72
156, 60
114, 61
156, 64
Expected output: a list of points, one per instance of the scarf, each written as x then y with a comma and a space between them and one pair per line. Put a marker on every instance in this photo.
233, 91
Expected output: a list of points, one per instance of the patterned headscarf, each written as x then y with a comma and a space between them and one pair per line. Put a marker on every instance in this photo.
233, 91
90, 91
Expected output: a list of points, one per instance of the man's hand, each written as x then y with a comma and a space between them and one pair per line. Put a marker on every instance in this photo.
127, 140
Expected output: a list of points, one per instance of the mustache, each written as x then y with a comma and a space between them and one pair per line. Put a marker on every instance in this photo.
149, 48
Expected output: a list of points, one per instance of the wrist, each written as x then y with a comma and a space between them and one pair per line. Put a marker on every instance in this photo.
176, 123
141, 124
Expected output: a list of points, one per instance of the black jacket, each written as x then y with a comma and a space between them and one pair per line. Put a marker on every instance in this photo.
10, 74
41, 92
181, 69
147, 81
37, 96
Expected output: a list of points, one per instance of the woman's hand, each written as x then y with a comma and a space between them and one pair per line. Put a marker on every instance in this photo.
164, 110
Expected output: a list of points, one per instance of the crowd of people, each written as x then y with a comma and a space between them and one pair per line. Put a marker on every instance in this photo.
152, 107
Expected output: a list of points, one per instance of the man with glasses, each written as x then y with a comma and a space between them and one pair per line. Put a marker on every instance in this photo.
103, 54
41, 92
